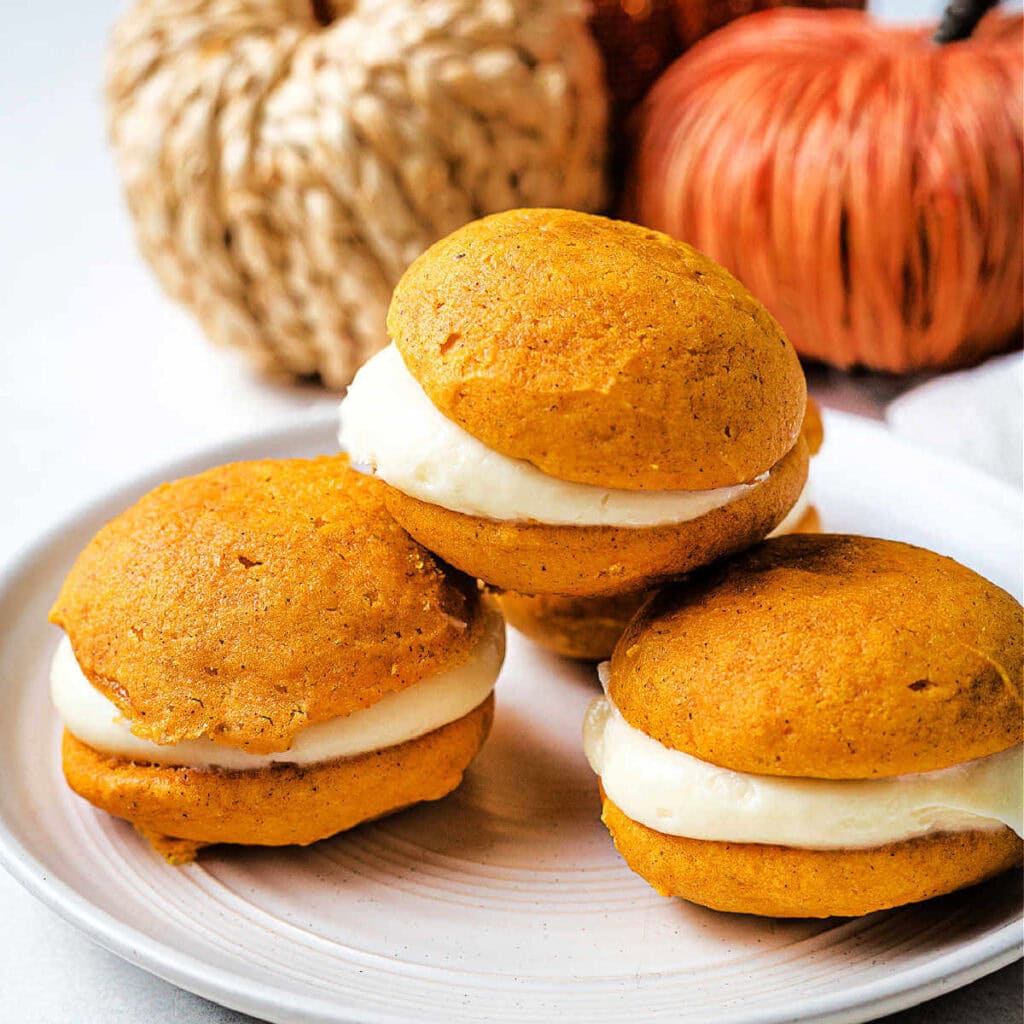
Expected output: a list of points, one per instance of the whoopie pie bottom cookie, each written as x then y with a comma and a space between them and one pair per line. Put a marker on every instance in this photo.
588, 628
181, 809
781, 881
592, 561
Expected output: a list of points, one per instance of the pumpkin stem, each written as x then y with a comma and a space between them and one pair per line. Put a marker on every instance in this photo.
323, 12
960, 18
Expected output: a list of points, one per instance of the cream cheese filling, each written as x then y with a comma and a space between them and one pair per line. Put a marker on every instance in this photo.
397, 718
680, 795
390, 425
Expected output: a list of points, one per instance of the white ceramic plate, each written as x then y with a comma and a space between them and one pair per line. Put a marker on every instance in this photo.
506, 901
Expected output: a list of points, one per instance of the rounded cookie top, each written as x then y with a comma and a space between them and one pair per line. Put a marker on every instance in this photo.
254, 599
826, 656
600, 351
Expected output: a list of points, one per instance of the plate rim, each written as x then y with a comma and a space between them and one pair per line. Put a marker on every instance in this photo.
951, 970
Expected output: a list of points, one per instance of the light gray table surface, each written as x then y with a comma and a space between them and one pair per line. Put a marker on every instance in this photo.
104, 380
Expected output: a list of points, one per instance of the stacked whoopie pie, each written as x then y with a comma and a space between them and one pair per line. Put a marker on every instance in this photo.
822, 725
578, 406
261, 655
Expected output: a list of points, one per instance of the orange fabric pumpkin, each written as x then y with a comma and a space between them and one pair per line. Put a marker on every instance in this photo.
863, 182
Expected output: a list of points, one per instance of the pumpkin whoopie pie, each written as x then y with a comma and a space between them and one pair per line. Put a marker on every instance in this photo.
823, 725
260, 654
579, 406
589, 627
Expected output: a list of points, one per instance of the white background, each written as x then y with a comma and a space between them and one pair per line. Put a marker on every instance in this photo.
103, 379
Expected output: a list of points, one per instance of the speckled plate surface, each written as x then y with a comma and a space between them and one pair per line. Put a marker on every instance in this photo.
506, 900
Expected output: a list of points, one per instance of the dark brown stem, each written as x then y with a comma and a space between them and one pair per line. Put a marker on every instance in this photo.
323, 11
960, 19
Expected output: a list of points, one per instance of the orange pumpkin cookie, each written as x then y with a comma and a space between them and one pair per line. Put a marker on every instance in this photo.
585, 561
579, 406
821, 725
260, 654
575, 627
784, 881
589, 627
283, 804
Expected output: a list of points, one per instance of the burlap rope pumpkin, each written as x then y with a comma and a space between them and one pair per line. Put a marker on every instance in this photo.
284, 161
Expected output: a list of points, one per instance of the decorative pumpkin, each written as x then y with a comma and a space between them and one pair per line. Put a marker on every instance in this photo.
638, 41
863, 182
285, 161
640, 38
695, 19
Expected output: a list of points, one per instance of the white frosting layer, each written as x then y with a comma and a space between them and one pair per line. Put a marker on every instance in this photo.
679, 795
397, 718
389, 424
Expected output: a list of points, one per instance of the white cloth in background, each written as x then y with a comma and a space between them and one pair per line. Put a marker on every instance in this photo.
976, 416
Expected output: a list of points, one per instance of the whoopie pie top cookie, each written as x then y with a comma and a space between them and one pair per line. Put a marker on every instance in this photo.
600, 352
578, 406
826, 657
256, 599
